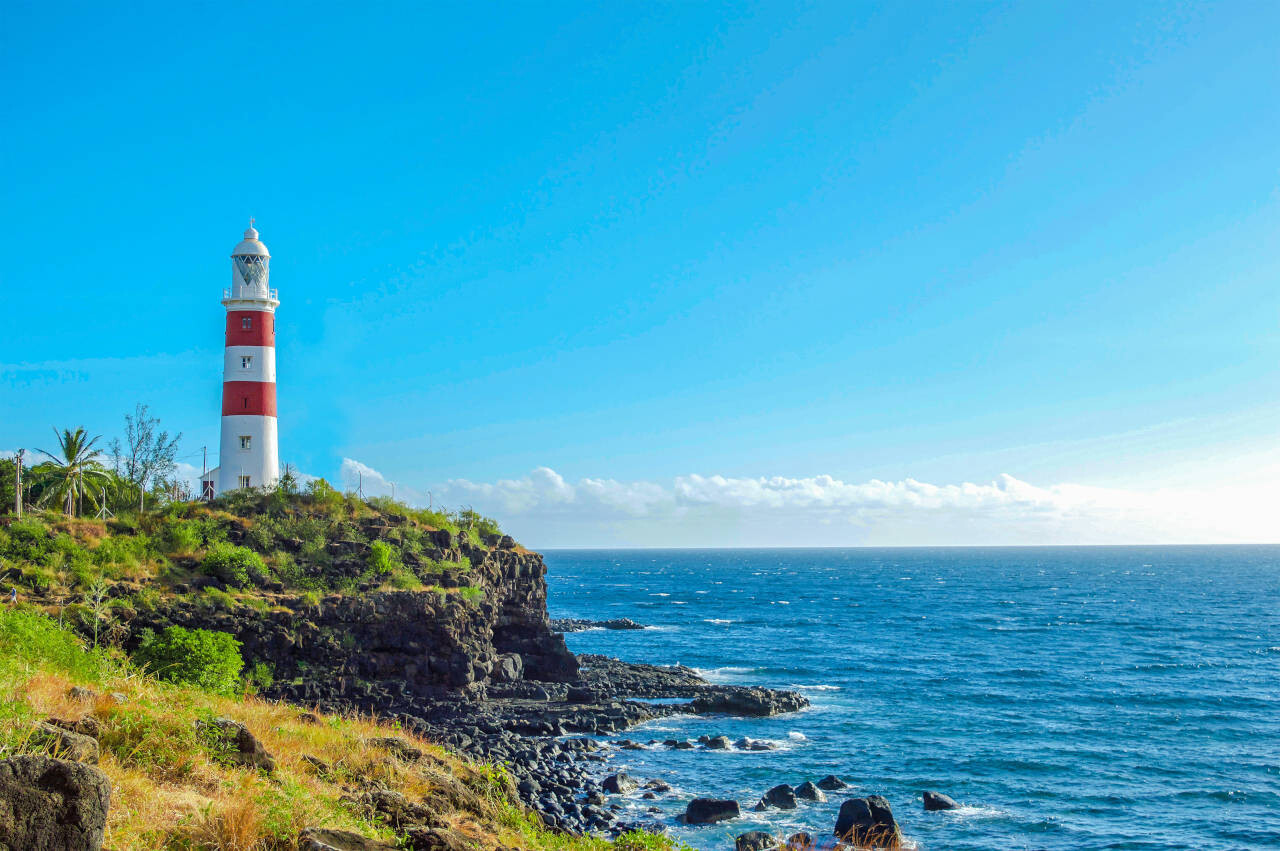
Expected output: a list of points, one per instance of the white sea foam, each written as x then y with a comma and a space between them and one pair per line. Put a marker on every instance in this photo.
660, 594
818, 687
796, 736
717, 620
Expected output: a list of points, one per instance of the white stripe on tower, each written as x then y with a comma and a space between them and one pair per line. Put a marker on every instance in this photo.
249, 454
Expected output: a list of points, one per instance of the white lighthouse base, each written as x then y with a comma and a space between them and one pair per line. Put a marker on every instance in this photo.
256, 465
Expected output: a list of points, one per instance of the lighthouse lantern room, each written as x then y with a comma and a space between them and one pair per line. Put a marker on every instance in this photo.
248, 453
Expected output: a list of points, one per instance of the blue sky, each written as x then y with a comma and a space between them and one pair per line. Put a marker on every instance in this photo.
522, 248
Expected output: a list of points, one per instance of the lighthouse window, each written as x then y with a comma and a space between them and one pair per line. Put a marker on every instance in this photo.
246, 322
246, 361
245, 441
244, 481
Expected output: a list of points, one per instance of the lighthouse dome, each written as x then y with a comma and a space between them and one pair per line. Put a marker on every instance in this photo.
251, 246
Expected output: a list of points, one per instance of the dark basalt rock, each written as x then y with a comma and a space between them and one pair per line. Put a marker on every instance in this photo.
243, 748
747, 701
321, 839
580, 624
938, 801
52, 805
809, 791
67, 744
397, 747
832, 783
619, 784
719, 743
782, 796
868, 821
755, 840
800, 842
710, 811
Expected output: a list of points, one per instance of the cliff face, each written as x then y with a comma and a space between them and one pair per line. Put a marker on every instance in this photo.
484, 625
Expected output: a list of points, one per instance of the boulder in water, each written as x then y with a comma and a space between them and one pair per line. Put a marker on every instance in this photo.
809, 791
755, 840
782, 796
831, 783
711, 810
800, 842
868, 821
938, 801
620, 784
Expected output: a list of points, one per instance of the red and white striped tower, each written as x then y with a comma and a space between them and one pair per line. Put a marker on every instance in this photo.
249, 455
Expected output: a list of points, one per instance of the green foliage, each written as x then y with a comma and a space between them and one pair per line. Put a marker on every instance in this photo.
383, 558
259, 677
234, 565
403, 580
322, 495
473, 521
204, 658
34, 637
181, 536
471, 593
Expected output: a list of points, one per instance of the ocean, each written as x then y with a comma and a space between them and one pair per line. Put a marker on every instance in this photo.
1067, 697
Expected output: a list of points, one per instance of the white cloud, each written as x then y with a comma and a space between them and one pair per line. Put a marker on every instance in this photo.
697, 510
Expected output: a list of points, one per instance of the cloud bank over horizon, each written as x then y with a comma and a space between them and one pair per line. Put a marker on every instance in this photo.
543, 509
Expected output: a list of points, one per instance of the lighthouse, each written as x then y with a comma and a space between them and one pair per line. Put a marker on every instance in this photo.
248, 453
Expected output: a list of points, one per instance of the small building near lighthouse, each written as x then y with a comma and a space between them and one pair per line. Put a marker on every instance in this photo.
248, 451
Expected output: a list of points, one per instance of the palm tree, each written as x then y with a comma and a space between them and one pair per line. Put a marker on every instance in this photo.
71, 474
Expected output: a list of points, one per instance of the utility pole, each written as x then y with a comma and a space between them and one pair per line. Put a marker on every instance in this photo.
393, 491
17, 483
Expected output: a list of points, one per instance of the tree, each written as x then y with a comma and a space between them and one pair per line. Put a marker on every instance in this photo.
74, 473
150, 454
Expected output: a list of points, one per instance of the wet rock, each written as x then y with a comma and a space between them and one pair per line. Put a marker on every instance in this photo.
580, 624
66, 744
800, 842
658, 785
684, 746
755, 840
619, 784
809, 791
752, 702
52, 804
322, 839
831, 783
719, 743
868, 821
711, 810
241, 747
938, 801
782, 796
757, 745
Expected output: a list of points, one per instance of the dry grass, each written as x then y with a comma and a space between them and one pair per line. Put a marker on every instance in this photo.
170, 791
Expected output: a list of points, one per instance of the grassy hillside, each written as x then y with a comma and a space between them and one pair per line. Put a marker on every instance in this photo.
173, 788
320, 541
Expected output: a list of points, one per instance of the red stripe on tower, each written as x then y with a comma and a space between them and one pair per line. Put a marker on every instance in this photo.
250, 328
248, 399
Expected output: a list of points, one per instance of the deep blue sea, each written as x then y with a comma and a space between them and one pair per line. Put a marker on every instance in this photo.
1070, 698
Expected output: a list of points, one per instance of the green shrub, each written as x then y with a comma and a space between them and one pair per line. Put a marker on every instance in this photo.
258, 678
383, 558
204, 658
233, 565
471, 593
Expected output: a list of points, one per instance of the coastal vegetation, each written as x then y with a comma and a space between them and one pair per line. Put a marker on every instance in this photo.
175, 786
